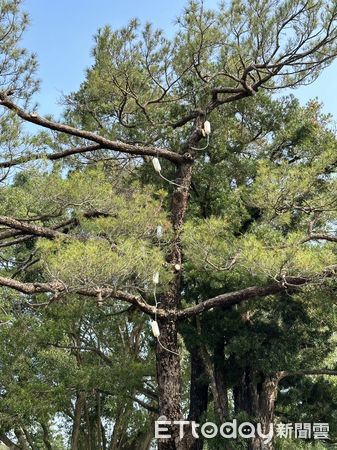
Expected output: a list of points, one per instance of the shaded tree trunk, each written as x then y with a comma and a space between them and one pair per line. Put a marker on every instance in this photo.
75, 435
29, 438
257, 398
119, 428
199, 389
199, 385
142, 441
266, 405
46, 437
220, 380
246, 394
23, 444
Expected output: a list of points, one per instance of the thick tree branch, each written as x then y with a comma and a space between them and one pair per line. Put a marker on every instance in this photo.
31, 288
56, 287
29, 228
319, 237
233, 298
102, 141
28, 231
291, 284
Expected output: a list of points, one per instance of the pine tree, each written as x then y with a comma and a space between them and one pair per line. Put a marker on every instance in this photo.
247, 202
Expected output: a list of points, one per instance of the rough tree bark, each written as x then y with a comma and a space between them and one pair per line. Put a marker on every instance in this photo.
257, 398
198, 393
220, 380
168, 362
266, 397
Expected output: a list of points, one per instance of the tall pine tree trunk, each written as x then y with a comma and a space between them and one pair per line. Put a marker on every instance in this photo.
167, 350
169, 379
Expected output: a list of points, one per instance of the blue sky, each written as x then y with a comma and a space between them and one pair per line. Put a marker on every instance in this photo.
61, 34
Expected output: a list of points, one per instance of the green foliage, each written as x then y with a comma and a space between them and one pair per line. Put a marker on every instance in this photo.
298, 445
17, 65
117, 228
93, 263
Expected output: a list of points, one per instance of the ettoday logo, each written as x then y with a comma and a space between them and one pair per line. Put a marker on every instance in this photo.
209, 430
245, 430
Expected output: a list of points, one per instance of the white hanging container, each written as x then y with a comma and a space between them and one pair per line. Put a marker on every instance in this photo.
156, 165
155, 278
155, 328
207, 128
159, 231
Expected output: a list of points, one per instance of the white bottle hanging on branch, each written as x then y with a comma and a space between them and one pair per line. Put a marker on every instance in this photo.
157, 168
159, 231
155, 278
155, 328
205, 131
